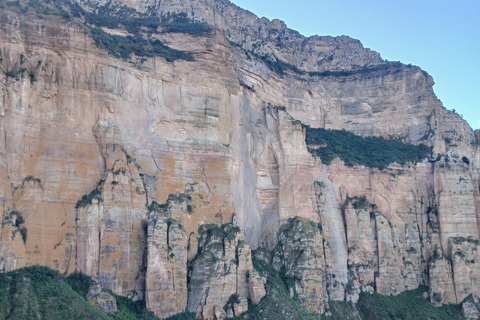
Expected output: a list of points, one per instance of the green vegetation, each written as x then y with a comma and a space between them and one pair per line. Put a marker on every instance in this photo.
391, 66
407, 305
42, 293
179, 23
157, 207
15, 219
341, 310
141, 26
277, 304
459, 240
183, 316
354, 150
123, 47
179, 197
277, 65
95, 194
226, 231
281, 67
127, 309
173, 198
32, 178
466, 160
360, 203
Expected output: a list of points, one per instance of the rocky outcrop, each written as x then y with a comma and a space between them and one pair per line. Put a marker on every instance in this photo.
470, 307
466, 266
110, 163
300, 258
220, 313
241, 306
442, 289
256, 286
219, 270
166, 275
101, 299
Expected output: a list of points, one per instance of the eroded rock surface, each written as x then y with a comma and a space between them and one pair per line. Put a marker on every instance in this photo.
101, 299
300, 257
166, 275
219, 270
110, 164
256, 286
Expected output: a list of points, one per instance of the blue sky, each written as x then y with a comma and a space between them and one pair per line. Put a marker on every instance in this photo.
442, 37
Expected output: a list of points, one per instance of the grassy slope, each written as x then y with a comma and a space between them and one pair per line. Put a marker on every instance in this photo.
42, 293
407, 305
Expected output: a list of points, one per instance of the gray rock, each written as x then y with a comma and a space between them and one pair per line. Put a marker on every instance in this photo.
101, 299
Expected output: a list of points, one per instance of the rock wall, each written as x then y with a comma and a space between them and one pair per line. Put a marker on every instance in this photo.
166, 266
111, 166
219, 270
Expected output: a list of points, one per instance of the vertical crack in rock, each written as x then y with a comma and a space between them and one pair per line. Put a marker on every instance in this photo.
216, 272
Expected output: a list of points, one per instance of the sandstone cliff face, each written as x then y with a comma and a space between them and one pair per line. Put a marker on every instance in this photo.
219, 270
110, 166
300, 257
166, 266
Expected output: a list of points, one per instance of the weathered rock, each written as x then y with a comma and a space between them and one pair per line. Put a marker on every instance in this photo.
333, 239
166, 277
101, 299
241, 306
442, 289
220, 314
299, 256
362, 247
466, 266
256, 286
219, 270
76, 119
470, 307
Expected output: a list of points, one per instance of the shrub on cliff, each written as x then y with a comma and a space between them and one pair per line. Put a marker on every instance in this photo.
354, 150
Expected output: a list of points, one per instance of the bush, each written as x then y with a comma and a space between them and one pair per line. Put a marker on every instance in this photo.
183, 316
466, 160
226, 231
39, 292
391, 66
123, 47
407, 305
140, 25
95, 194
354, 150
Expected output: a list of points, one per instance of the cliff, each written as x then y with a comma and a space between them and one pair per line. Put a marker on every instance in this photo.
151, 145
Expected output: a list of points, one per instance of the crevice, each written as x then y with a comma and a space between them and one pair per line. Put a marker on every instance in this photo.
99, 253
375, 277
210, 193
